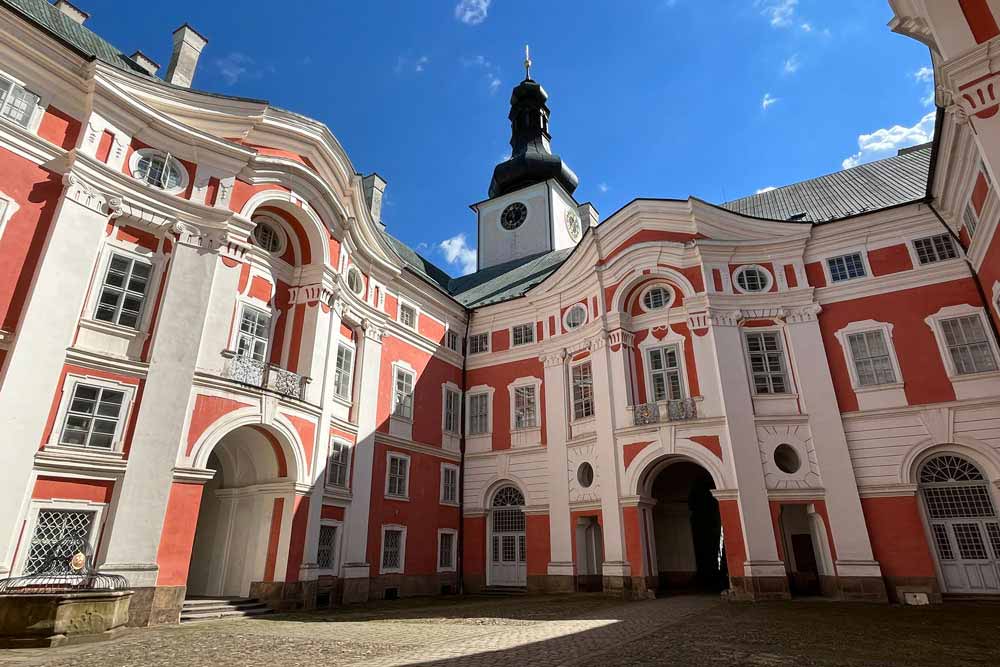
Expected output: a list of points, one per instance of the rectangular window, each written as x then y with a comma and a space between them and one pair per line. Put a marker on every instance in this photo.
399, 469
846, 267
583, 391
665, 373
392, 549
123, 291
16, 103
479, 343
970, 219
407, 316
525, 407
325, 556
449, 484
871, 358
343, 373
446, 551
92, 417
51, 527
452, 410
479, 414
403, 394
967, 343
338, 464
767, 362
255, 329
935, 248
451, 340
522, 334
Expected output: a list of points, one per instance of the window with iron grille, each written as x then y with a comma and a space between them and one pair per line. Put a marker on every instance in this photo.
398, 474
407, 316
344, 371
451, 341
446, 551
970, 219
522, 334
479, 343
255, 329
392, 549
871, 358
338, 465
935, 248
449, 484
665, 373
403, 394
968, 345
767, 362
325, 556
846, 267
656, 298
583, 391
452, 410
52, 526
525, 407
123, 291
92, 416
16, 103
479, 414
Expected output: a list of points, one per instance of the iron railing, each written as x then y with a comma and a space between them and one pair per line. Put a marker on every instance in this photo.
250, 371
664, 411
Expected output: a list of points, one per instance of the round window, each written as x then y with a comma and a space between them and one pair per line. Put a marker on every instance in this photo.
576, 316
585, 475
354, 280
752, 279
656, 297
159, 170
267, 236
513, 216
787, 459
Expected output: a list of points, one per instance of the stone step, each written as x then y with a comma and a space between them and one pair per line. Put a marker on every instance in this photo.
199, 609
210, 602
218, 614
504, 591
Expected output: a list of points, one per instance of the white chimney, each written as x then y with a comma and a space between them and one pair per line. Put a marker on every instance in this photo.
145, 62
72, 11
373, 186
187, 49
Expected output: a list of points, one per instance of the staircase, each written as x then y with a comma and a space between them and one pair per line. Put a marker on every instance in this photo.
207, 609
504, 591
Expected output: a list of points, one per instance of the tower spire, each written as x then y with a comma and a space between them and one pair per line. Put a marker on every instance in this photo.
527, 63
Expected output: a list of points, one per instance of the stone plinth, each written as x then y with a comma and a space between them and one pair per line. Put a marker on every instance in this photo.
52, 619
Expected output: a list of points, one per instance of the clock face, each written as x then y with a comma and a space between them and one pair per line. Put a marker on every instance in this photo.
513, 216
573, 227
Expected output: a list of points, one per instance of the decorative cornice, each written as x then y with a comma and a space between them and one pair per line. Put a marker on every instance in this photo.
553, 359
193, 475
86, 195
372, 330
808, 313
723, 317
621, 338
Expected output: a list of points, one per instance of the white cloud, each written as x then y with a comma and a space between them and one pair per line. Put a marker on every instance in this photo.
767, 101
472, 12
806, 27
234, 66
602, 186
886, 141
421, 62
407, 64
457, 252
767, 189
780, 13
490, 70
925, 74
792, 64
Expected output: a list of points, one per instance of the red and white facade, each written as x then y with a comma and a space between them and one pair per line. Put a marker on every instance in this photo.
215, 365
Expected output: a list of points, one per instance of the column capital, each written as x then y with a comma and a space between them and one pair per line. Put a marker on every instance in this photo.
83, 193
373, 331
808, 313
620, 338
553, 359
723, 317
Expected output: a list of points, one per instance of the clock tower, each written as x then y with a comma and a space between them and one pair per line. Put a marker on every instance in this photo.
531, 209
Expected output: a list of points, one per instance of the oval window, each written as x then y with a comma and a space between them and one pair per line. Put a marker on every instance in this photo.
576, 316
585, 475
158, 169
656, 297
354, 280
752, 279
267, 236
787, 459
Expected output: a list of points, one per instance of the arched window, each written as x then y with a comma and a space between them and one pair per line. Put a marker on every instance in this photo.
508, 496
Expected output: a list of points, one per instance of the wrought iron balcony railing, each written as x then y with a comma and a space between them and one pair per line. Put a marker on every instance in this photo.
249, 371
664, 411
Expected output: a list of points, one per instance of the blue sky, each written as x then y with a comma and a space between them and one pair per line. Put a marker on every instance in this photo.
653, 98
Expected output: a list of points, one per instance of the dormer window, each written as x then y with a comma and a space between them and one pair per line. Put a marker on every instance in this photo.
158, 169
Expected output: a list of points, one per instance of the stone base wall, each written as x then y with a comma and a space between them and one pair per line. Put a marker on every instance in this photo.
474, 583
626, 588
759, 588
897, 587
861, 589
156, 605
385, 585
355, 590
286, 595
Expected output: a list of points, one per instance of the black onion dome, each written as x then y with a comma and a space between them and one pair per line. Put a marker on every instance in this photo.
531, 159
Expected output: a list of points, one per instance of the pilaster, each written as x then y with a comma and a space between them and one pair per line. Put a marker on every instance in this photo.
556, 401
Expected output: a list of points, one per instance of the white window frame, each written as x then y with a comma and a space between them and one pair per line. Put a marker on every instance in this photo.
112, 247
479, 390
133, 258
335, 548
768, 279
279, 233
402, 303
996, 297
672, 296
68, 387
454, 550
521, 383
36, 114
349, 398
485, 336
389, 455
572, 398
401, 367
402, 550
529, 327
962, 310
31, 522
441, 498
133, 166
349, 448
8, 207
915, 255
354, 270
664, 345
586, 316
970, 219
875, 396
452, 335
446, 388
825, 262
237, 328
790, 390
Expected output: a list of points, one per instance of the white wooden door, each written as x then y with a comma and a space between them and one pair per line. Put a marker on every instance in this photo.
508, 541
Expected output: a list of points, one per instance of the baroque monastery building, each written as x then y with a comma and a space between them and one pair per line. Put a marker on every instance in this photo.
221, 370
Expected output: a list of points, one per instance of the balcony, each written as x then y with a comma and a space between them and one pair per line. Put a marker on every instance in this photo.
263, 375
664, 411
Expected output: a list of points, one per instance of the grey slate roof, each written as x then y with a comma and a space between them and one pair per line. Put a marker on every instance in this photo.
868, 187
508, 280
80, 37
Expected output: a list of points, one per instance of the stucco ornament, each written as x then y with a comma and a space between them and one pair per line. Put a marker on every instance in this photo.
575, 457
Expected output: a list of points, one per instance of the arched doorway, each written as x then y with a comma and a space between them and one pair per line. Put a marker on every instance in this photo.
508, 543
240, 515
686, 551
963, 523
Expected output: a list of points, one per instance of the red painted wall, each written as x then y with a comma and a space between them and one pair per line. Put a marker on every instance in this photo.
60, 128
891, 259
499, 377
177, 537
898, 538
93, 490
732, 534
536, 535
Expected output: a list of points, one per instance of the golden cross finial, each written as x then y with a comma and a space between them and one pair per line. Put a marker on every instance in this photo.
527, 62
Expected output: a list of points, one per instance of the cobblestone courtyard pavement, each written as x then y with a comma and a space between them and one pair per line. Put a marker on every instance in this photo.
572, 630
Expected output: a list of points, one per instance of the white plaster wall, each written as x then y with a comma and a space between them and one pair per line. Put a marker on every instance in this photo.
528, 470
497, 245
